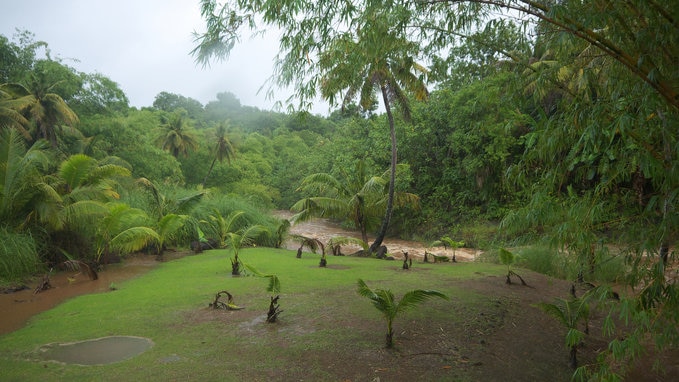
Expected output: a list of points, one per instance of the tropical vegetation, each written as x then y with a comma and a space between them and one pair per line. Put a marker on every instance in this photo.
520, 124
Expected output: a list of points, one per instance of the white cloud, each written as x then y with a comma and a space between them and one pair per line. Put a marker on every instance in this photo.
144, 46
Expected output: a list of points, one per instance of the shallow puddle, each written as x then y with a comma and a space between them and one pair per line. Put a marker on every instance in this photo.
98, 351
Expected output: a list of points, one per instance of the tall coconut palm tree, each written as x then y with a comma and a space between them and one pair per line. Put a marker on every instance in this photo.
175, 136
37, 102
385, 302
223, 150
374, 59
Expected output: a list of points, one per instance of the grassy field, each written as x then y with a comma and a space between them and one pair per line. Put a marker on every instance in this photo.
326, 332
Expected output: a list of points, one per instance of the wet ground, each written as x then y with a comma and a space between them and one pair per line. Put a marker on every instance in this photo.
20, 306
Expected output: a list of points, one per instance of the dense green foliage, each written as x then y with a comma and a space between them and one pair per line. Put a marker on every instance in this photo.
557, 124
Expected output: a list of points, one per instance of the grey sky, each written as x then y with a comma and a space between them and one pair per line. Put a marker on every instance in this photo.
144, 46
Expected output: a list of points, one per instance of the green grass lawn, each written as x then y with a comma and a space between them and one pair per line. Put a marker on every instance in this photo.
323, 318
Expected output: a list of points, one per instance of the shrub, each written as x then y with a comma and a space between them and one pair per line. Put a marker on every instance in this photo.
18, 255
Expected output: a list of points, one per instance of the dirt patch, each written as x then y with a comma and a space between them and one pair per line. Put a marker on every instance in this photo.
502, 335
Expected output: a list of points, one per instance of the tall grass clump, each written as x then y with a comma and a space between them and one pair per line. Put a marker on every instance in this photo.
542, 260
610, 269
18, 255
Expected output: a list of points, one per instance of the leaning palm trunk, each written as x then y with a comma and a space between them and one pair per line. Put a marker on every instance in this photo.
209, 171
392, 177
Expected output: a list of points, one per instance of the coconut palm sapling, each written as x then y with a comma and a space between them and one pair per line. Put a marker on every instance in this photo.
385, 302
240, 239
508, 258
275, 288
448, 242
569, 313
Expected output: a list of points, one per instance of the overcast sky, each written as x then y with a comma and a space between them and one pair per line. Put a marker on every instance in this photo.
144, 46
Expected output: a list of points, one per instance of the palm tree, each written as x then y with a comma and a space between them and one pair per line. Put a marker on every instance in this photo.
39, 105
25, 195
175, 137
170, 214
162, 204
220, 226
237, 240
223, 150
374, 59
123, 229
225, 228
9, 116
570, 313
385, 302
356, 197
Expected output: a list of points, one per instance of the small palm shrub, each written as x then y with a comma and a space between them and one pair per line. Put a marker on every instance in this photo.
385, 302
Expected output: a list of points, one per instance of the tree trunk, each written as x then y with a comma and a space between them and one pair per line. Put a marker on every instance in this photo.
390, 335
392, 178
209, 170
360, 222
574, 357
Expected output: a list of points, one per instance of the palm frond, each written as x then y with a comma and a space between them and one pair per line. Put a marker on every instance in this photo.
185, 204
309, 208
347, 240
557, 310
170, 224
134, 239
83, 212
412, 298
319, 182
365, 291
310, 242
274, 282
82, 267
506, 257
250, 233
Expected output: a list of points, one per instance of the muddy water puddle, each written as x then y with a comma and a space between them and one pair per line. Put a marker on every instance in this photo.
100, 351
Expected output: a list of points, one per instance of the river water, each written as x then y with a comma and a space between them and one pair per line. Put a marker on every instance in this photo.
325, 229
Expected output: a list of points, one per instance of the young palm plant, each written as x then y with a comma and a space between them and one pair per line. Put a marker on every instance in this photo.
275, 288
385, 302
570, 313
240, 239
447, 242
313, 244
508, 258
